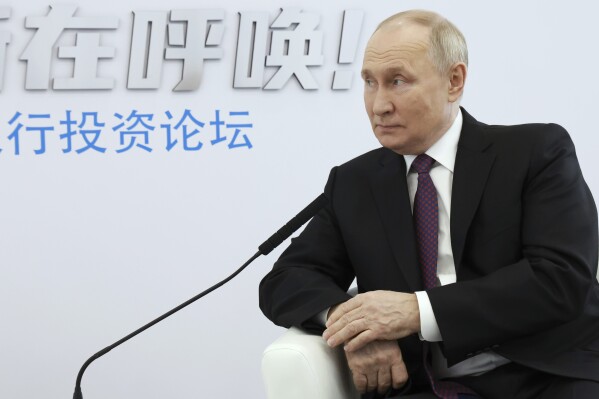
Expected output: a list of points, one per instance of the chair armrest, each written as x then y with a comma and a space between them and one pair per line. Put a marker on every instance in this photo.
299, 366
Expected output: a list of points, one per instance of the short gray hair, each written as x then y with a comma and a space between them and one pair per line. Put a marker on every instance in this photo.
447, 43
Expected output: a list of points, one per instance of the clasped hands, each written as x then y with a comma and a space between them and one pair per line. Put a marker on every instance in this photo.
368, 326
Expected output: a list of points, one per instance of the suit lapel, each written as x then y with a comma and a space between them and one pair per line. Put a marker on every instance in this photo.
471, 171
390, 191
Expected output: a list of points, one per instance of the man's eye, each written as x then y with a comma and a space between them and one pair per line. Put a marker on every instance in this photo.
398, 82
368, 82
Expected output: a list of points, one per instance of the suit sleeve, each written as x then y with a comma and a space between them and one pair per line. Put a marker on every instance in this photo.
552, 283
312, 274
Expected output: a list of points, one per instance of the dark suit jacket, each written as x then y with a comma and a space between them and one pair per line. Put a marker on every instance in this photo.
524, 239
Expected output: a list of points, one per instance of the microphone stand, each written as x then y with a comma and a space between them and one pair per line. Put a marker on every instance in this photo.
264, 249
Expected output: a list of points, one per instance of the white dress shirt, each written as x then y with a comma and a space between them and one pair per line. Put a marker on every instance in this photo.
444, 153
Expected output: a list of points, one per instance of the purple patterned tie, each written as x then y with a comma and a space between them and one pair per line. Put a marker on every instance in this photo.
426, 220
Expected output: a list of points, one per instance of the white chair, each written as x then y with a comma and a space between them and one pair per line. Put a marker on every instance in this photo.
301, 366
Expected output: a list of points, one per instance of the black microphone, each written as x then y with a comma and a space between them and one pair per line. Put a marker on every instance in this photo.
264, 249
284, 232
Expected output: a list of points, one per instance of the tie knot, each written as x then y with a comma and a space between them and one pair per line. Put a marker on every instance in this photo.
422, 163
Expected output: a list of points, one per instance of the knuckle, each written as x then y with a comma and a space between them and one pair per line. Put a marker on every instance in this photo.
352, 329
363, 324
380, 357
342, 308
360, 382
400, 380
403, 378
357, 367
384, 377
345, 319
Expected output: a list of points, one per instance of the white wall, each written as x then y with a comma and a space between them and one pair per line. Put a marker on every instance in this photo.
94, 245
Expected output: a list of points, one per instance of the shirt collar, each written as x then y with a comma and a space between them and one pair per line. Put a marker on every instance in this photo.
445, 149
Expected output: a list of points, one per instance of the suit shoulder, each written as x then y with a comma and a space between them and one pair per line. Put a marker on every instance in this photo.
532, 133
531, 147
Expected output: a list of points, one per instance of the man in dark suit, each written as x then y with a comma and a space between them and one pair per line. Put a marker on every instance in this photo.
474, 246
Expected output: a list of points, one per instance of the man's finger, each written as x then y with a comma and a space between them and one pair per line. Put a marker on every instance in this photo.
348, 332
342, 309
341, 322
360, 340
360, 382
399, 375
384, 380
372, 378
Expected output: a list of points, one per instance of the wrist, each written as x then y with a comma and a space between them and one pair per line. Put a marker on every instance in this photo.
415, 315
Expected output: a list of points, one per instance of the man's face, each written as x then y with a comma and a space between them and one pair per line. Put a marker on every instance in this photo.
406, 98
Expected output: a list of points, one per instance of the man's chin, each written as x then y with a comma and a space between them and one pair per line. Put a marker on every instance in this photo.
394, 145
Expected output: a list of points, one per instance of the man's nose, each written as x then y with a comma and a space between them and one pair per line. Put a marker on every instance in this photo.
382, 103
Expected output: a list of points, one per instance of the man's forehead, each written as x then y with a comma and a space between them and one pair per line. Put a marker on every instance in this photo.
396, 47
404, 37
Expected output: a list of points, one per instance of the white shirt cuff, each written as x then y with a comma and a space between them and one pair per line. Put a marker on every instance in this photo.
429, 329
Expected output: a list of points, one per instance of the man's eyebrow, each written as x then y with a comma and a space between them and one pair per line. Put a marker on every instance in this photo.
396, 70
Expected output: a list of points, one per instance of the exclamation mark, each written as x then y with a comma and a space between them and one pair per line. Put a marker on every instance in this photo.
350, 34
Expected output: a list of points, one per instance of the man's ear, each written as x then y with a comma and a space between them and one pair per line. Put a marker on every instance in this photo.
457, 79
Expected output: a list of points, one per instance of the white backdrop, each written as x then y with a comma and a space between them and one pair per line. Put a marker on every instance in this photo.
94, 245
